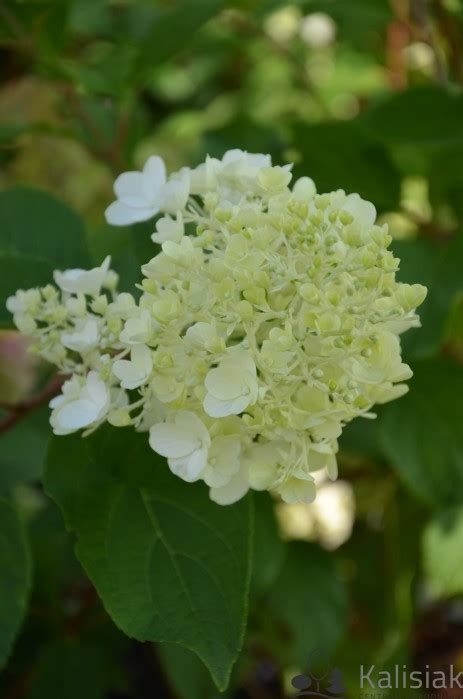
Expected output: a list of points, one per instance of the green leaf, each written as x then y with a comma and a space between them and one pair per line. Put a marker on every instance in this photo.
118, 242
15, 576
141, 243
360, 439
268, 546
38, 234
421, 116
186, 673
169, 564
446, 189
173, 30
56, 568
311, 600
438, 268
337, 154
422, 436
443, 553
23, 448
20, 271
79, 669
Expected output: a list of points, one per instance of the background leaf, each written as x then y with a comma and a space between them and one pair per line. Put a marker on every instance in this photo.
38, 234
23, 449
439, 268
424, 116
421, 433
310, 599
268, 546
186, 673
443, 553
15, 576
336, 152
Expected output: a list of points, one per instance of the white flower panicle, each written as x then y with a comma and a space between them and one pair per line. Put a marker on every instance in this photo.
256, 337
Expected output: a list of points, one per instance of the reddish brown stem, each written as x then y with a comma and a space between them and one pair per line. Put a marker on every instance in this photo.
19, 411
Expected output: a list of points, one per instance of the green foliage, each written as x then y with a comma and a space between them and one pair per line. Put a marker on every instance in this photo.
187, 674
169, 564
38, 233
310, 574
23, 450
421, 433
268, 547
443, 553
15, 576
438, 267
328, 152
400, 119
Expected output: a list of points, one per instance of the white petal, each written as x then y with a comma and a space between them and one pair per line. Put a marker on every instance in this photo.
154, 177
224, 385
171, 441
174, 195
296, 490
97, 389
232, 155
223, 460
119, 214
77, 414
221, 408
141, 357
128, 187
332, 468
83, 339
168, 228
200, 333
363, 211
235, 489
191, 424
304, 188
189, 467
127, 374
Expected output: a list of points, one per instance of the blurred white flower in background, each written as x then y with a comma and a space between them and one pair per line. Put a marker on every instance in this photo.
329, 519
283, 25
318, 30
421, 57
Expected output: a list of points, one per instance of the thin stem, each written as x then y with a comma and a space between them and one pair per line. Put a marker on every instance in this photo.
21, 410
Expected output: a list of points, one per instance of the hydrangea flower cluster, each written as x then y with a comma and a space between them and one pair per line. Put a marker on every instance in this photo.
268, 319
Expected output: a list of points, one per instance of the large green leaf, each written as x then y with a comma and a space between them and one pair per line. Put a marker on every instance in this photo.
421, 116
439, 268
187, 675
443, 553
38, 233
118, 242
169, 564
311, 600
268, 546
422, 435
15, 576
337, 154
23, 449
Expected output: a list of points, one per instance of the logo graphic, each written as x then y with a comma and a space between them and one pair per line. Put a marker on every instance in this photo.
320, 680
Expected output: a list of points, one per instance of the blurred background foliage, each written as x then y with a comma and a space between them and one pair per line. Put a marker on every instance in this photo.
365, 95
